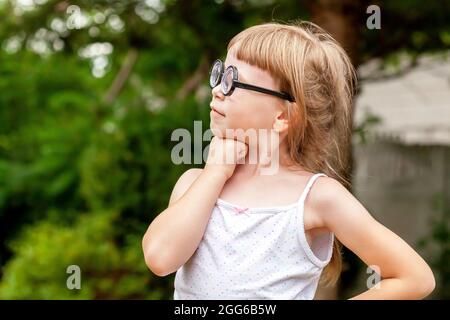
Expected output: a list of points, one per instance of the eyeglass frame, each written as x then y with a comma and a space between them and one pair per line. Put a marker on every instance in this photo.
237, 84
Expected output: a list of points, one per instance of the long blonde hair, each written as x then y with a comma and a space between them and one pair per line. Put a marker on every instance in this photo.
310, 65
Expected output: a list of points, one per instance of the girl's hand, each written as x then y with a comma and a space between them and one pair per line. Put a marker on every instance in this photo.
224, 154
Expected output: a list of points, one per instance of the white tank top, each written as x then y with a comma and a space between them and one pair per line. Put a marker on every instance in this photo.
255, 253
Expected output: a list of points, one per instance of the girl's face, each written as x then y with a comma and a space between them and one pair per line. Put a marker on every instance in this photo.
245, 109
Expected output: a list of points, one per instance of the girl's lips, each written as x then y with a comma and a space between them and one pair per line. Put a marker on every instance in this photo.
215, 110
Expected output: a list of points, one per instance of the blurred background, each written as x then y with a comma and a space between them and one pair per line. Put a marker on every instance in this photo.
90, 92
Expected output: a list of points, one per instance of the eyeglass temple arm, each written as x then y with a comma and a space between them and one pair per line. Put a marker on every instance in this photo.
281, 95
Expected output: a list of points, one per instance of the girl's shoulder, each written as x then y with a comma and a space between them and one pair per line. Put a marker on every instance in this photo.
325, 191
329, 198
318, 198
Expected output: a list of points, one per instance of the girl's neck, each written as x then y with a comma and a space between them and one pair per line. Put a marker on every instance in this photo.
273, 163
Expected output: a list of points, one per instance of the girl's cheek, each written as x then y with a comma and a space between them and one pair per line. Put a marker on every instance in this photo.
242, 123
240, 114
238, 108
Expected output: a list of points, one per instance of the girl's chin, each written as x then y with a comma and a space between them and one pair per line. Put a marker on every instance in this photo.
223, 135
217, 132
223, 132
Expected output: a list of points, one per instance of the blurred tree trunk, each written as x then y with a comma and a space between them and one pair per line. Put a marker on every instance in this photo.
344, 20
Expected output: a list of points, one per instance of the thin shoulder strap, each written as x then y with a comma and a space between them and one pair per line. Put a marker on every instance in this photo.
308, 186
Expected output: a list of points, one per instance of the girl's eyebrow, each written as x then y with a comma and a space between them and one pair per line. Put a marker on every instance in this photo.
241, 78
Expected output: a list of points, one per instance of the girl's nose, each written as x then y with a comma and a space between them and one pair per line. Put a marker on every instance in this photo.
217, 92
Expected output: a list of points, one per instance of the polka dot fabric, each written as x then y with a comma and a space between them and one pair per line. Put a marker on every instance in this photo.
255, 254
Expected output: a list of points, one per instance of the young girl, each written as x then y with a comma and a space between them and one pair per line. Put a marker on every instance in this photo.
232, 232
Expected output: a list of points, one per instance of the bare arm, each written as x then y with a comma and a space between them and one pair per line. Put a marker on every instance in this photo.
405, 275
174, 235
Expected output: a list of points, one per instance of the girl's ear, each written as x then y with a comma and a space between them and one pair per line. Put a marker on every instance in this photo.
281, 123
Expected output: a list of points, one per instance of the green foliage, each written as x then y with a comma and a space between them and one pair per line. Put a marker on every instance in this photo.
45, 121
438, 241
364, 130
108, 271
69, 154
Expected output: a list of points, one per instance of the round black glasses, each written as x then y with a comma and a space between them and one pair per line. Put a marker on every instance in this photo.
228, 80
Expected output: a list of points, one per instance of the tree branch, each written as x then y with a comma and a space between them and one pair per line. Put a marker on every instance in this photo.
122, 76
194, 81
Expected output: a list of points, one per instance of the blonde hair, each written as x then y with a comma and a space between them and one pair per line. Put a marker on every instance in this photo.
311, 66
